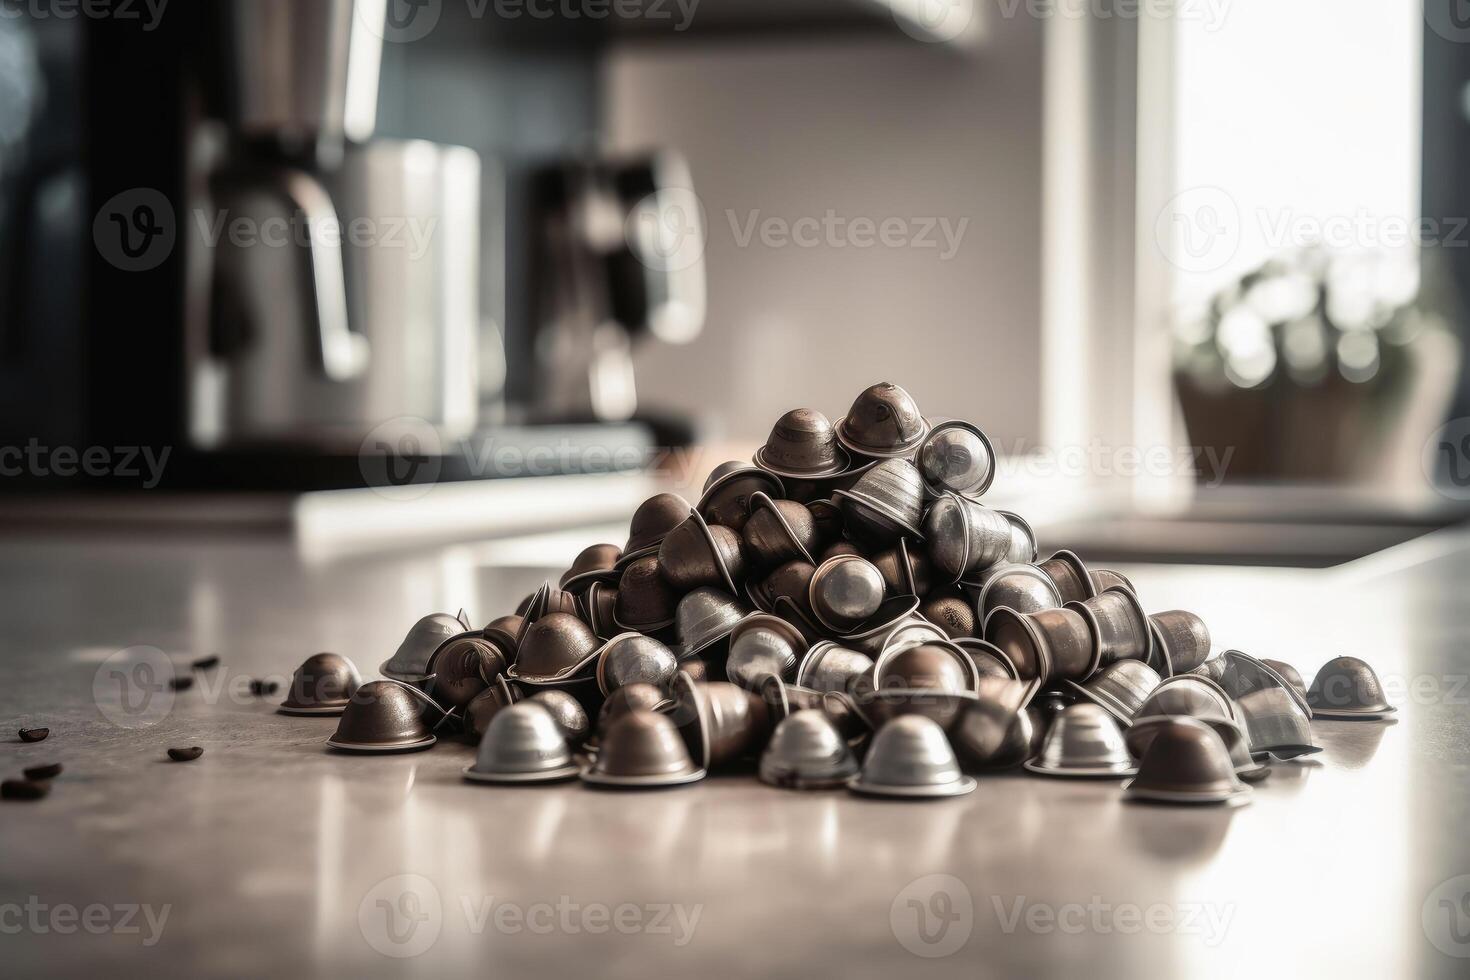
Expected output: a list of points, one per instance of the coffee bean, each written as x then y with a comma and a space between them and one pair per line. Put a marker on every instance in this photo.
181, 683
34, 734
185, 755
206, 663
38, 773
23, 789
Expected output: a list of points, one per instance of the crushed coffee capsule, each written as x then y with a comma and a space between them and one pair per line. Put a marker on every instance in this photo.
185, 755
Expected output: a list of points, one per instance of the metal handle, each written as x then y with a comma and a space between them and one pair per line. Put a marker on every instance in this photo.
344, 354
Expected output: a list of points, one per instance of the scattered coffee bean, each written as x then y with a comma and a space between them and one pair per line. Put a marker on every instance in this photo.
23, 789
34, 734
180, 683
185, 755
261, 688
39, 773
206, 663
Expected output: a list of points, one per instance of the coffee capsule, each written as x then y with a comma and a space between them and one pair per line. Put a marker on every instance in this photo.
322, 685
910, 631
1185, 638
630, 698
807, 752
1289, 674
957, 458
524, 744
951, 613
894, 613
828, 666
505, 633
695, 554
558, 648
545, 600
571, 716
462, 668
1121, 688
720, 721
1024, 588
1186, 762
996, 731
1276, 724
905, 569
939, 665
726, 498
965, 538
885, 504
410, 662
654, 518
1120, 627
1241, 673
1023, 540
705, 618
944, 708
645, 602
1083, 741
598, 606
989, 659
793, 581
1159, 658
911, 758
642, 749
500, 694
883, 422
1070, 575
783, 700
1141, 735
827, 522
1052, 644
844, 593
1347, 688
761, 645
1107, 578
632, 658
778, 531
1188, 694
595, 563
802, 446
384, 716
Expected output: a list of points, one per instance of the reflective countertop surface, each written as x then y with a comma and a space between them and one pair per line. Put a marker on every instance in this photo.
271, 855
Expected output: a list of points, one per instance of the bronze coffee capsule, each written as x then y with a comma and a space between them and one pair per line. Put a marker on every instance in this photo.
827, 523
556, 648
630, 698
830, 667
996, 731
463, 667
951, 613
1120, 627
595, 563
1141, 735
1024, 588
1185, 638
791, 581
642, 749
844, 593
965, 538
989, 659
1106, 578
1186, 762
720, 721
957, 458
505, 633
654, 518
384, 716
645, 602
905, 569
935, 665
883, 422
726, 498
1070, 575
696, 554
547, 599
1053, 644
778, 531
802, 446
321, 686
500, 694
885, 504
1121, 688
597, 605
1348, 689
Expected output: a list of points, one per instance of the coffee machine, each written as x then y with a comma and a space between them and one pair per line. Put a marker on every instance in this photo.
300, 231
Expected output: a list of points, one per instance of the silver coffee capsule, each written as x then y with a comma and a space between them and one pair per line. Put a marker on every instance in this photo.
384, 716
1120, 627
1348, 689
911, 758
1276, 724
641, 750
410, 662
845, 592
1241, 674
727, 493
957, 458
632, 658
705, 617
995, 731
1188, 694
885, 504
321, 686
894, 616
1141, 735
524, 744
1121, 688
1186, 763
1024, 588
883, 422
1070, 575
807, 752
828, 666
761, 645
571, 716
965, 538
1023, 540
1083, 741
1185, 637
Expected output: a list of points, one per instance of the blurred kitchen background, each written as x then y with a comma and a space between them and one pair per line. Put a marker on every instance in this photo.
1197, 268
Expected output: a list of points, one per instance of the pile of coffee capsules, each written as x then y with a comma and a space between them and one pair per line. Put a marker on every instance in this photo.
841, 611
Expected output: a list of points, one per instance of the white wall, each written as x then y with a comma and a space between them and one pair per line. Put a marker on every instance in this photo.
872, 128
